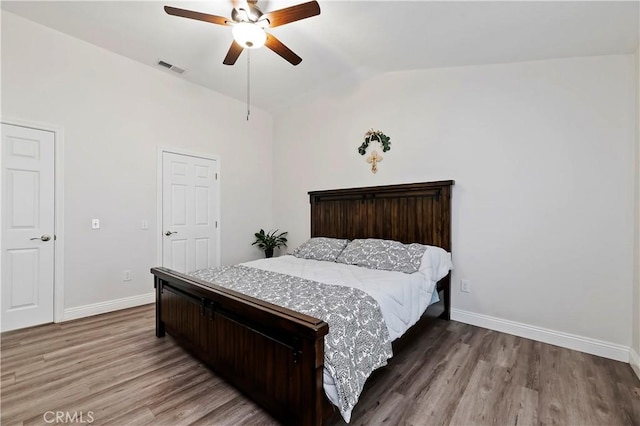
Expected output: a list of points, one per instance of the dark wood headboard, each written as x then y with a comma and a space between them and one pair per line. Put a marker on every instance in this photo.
410, 213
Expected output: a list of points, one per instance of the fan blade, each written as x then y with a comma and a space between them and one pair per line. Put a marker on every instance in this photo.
282, 50
292, 14
198, 16
232, 55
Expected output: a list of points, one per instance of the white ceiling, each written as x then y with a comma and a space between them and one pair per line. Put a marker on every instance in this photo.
349, 41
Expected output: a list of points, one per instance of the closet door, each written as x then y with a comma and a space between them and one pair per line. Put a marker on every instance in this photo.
190, 200
27, 226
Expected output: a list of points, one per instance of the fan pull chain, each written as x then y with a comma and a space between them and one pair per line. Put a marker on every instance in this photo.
248, 83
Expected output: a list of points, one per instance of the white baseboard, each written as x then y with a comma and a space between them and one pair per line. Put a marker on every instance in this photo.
553, 337
634, 360
109, 306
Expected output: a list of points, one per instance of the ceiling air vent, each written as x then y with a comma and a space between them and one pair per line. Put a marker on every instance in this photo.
171, 67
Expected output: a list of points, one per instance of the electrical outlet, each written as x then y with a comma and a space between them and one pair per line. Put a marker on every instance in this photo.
465, 286
126, 276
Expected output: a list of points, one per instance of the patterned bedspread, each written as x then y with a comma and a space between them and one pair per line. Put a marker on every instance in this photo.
358, 339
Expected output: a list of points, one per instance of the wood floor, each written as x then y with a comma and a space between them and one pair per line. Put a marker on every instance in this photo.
108, 369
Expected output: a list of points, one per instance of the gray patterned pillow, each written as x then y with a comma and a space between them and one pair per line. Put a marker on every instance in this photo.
416, 252
321, 248
383, 254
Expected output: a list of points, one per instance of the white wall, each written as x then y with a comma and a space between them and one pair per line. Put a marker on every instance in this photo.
115, 113
542, 156
635, 347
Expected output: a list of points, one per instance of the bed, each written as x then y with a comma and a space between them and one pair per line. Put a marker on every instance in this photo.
276, 355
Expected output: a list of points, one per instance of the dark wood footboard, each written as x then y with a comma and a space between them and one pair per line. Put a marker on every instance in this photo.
272, 354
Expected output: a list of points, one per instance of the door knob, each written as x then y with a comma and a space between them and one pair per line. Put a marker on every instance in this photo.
44, 237
169, 233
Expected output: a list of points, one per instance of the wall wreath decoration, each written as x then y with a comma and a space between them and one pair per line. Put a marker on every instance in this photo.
374, 158
375, 135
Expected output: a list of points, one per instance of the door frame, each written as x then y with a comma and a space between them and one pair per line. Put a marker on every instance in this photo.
159, 240
58, 210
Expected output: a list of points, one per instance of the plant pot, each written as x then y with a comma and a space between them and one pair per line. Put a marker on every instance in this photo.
268, 253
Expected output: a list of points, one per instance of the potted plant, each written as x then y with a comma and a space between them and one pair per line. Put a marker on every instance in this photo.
269, 241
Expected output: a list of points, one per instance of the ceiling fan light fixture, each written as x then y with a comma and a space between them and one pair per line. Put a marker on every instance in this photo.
248, 24
249, 35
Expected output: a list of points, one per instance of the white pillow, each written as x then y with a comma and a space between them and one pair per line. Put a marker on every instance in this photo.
436, 263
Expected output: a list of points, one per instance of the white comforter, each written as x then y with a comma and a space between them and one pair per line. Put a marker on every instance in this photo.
403, 298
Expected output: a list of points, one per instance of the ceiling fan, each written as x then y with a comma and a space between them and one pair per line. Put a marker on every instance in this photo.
248, 24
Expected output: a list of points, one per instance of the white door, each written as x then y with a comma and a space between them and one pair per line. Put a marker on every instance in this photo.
189, 212
27, 226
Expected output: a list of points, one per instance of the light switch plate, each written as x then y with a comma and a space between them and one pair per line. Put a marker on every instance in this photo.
95, 223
